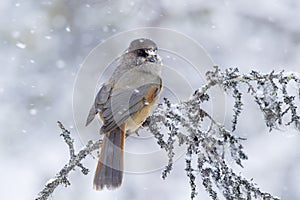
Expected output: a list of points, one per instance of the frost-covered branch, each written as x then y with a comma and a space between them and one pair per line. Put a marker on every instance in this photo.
276, 94
210, 146
209, 149
61, 178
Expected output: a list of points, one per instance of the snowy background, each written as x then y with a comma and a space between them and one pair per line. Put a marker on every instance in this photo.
44, 42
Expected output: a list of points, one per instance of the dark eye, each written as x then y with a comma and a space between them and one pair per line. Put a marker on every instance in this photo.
142, 53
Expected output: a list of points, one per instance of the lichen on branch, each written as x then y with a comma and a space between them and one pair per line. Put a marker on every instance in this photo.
61, 178
208, 150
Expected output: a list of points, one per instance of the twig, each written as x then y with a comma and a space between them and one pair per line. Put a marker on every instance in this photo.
61, 178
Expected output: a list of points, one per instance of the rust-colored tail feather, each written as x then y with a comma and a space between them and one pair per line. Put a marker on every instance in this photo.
109, 172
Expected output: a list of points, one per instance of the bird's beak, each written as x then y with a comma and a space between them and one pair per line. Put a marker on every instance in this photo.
152, 55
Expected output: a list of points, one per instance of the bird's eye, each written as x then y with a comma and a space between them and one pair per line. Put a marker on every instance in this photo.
142, 53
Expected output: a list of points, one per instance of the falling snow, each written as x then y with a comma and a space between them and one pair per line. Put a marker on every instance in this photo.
68, 29
16, 34
44, 42
60, 64
21, 45
33, 111
48, 37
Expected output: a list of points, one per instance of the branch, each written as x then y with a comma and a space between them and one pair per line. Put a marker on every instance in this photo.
61, 178
270, 92
210, 148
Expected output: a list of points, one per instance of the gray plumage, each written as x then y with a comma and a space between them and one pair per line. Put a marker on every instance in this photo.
118, 100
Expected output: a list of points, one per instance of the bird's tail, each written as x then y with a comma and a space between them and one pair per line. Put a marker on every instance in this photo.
109, 172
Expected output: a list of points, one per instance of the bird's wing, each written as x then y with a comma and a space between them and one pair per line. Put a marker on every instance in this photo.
100, 100
125, 102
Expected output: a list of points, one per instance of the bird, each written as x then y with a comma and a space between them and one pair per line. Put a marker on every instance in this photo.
123, 103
